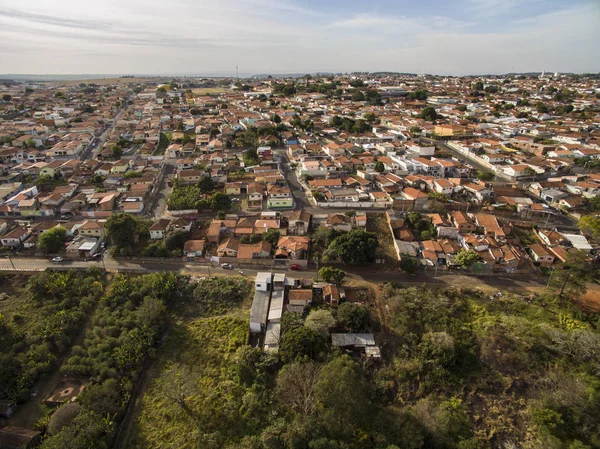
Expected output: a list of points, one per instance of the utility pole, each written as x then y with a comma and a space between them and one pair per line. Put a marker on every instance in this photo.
11, 262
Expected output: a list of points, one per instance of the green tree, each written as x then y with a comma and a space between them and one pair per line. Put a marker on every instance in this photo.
272, 236
220, 201
275, 118
122, 229
478, 85
466, 258
53, 240
429, 113
356, 246
176, 240
206, 184
485, 176
571, 280
541, 107
330, 274
343, 394
410, 264
379, 167
300, 344
321, 321
116, 151
6, 97
590, 225
358, 96
419, 94
353, 317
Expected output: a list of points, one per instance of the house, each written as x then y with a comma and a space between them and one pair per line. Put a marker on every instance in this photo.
15, 237
464, 224
193, 249
298, 221
159, 229
333, 294
541, 255
83, 246
301, 298
228, 247
260, 250
92, 228
292, 247
181, 224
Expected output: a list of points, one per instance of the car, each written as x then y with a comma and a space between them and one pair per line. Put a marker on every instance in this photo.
227, 266
295, 267
235, 200
57, 259
97, 256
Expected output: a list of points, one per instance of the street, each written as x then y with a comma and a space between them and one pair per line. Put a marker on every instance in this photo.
300, 200
514, 283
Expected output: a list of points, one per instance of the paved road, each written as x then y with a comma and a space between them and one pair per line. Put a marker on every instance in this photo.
300, 200
517, 283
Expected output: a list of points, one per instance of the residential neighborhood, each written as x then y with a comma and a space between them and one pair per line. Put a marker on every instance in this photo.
249, 174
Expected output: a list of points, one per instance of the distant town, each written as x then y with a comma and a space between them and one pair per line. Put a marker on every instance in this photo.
474, 174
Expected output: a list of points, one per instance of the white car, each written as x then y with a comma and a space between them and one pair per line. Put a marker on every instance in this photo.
57, 259
227, 266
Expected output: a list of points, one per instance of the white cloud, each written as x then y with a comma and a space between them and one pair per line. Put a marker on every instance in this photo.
205, 36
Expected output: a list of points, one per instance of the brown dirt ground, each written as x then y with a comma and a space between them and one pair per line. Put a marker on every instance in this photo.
591, 301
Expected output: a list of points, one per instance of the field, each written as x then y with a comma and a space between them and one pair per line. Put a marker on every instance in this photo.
377, 223
210, 91
192, 387
100, 81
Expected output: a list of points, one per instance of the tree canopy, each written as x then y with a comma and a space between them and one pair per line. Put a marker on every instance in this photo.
52, 240
355, 247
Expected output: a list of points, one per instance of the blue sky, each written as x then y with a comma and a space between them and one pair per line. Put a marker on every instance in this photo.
268, 36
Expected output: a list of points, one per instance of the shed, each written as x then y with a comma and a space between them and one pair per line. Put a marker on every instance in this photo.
18, 438
259, 311
352, 340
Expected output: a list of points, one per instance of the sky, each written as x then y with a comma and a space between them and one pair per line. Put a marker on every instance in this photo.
212, 37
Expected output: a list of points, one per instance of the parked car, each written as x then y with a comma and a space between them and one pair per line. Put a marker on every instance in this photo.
295, 267
227, 266
57, 259
97, 256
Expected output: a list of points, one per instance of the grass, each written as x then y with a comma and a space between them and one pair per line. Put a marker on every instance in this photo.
377, 222
191, 385
210, 91
18, 302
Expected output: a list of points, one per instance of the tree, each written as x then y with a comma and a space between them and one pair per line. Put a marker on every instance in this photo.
176, 240
429, 114
419, 94
410, 264
590, 225
320, 321
53, 240
461, 108
466, 258
379, 167
300, 344
541, 107
272, 236
206, 184
485, 176
478, 85
122, 229
571, 280
343, 394
220, 201
116, 151
357, 247
295, 390
6, 97
275, 118
88, 109
250, 157
358, 96
63, 417
330, 274
353, 317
